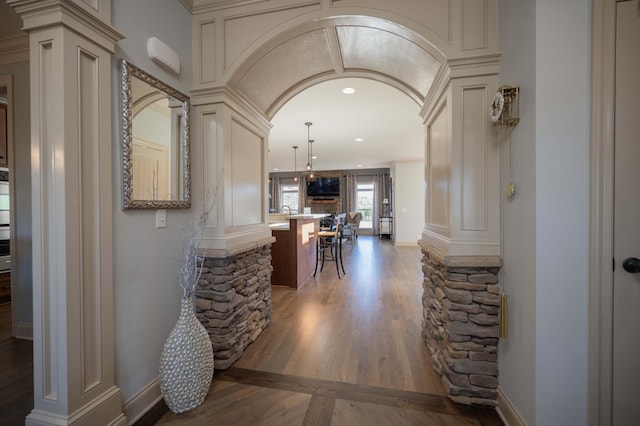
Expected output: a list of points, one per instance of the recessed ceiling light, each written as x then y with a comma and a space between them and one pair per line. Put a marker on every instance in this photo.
348, 90
359, 139
276, 169
314, 157
359, 165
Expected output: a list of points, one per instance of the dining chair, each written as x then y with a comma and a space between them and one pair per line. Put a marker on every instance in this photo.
351, 226
329, 246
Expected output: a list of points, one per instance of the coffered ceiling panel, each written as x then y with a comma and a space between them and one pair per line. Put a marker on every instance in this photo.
380, 51
282, 68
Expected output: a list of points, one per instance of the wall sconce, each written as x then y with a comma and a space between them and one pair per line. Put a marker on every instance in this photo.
504, 109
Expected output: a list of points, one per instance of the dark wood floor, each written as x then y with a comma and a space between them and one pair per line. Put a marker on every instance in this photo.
16, 373
340, 352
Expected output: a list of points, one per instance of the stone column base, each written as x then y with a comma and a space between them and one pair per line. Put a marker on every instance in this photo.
233, 300
460, 323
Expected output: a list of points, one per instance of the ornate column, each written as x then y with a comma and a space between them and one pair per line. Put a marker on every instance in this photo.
461, 239
71, 44
230, 159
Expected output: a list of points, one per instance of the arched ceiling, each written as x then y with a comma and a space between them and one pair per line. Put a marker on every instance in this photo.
299, 78
337, 49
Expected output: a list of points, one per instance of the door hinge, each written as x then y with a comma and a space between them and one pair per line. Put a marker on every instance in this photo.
613, 264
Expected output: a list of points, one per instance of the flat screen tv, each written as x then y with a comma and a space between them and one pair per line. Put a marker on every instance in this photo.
323, 187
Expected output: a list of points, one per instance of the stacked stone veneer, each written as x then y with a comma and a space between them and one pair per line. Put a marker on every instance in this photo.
233, 300
460, 324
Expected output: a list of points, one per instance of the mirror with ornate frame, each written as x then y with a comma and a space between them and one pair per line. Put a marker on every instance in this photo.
155, 142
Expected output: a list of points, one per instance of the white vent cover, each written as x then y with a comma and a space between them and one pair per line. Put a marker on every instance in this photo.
163, 55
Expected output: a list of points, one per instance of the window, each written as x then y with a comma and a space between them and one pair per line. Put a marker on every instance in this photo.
365, 204
289, 197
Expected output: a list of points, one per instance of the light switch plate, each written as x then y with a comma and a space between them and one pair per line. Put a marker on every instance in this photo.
161, 218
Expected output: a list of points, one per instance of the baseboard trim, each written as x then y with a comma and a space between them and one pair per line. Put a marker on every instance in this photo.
406, 244
104, 410
142, 402
23, 331
507, 411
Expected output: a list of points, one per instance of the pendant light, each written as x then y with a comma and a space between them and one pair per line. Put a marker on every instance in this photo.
295, 163
310, 168
309, 148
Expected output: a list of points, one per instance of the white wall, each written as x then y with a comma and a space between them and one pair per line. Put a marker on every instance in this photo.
147, 294
543, 364
562, 206
21, 167
516, 354
408, 209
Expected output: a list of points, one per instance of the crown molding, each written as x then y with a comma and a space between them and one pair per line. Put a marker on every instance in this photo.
201, 6
38, 15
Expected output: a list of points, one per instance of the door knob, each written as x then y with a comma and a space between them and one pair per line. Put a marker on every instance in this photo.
631, 265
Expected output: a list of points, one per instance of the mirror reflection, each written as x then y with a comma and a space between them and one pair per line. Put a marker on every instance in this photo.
155, 142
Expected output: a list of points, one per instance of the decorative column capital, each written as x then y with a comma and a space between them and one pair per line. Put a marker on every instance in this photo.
93, 23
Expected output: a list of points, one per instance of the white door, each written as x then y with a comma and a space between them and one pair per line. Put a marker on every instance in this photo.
150, 171
626, 287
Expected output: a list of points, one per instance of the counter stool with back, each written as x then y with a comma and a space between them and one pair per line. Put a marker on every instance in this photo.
329, 245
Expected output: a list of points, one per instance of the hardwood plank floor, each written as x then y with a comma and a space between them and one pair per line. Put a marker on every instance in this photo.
16, 373
340, 352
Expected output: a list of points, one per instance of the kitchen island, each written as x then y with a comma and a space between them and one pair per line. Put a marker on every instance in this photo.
293, 254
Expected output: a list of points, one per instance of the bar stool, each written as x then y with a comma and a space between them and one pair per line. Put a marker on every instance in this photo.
331, 241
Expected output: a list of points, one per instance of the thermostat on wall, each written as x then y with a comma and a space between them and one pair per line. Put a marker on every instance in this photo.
163, 55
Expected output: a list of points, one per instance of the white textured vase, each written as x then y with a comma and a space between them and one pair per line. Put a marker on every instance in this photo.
186, 363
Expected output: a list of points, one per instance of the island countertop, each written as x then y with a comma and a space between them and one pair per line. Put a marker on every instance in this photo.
281, 221
293, 252
283, 217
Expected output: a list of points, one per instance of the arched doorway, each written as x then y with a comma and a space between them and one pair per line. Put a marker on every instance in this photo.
451, 74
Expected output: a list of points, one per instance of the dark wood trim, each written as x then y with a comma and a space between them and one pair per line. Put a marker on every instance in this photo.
325, 392
320, 410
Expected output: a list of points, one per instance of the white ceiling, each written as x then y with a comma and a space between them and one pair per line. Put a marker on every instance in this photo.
387, 119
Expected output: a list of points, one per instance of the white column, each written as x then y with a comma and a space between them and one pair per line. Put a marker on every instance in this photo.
462, 166
71, 43
230, 157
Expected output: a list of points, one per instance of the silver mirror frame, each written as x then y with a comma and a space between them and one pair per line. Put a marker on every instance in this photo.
128, 202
